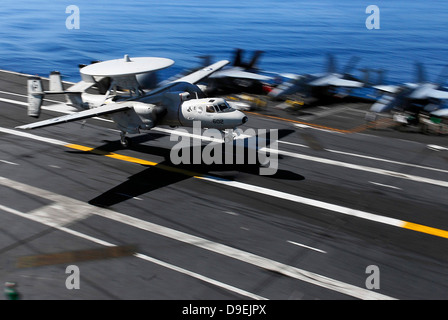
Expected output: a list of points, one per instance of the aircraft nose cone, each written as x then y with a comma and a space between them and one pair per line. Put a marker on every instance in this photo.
245, 119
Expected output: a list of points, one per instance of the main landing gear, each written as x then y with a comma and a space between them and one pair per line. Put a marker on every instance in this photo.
125, 141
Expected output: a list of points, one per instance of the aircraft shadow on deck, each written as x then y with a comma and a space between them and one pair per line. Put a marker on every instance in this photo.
166, 173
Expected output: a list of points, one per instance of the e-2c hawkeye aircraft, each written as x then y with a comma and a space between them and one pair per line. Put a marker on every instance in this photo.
177, 103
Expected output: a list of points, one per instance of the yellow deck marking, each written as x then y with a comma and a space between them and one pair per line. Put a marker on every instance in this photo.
111, 155
424, 229
403, 224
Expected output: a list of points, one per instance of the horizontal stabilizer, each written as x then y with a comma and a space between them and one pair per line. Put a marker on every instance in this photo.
387, 88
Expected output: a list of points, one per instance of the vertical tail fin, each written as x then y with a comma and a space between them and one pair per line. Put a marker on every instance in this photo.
205, 60
331, 64
56, 82
351, 64
255, 58
366, 76
420, 70
381, 76
35, 96
237, 60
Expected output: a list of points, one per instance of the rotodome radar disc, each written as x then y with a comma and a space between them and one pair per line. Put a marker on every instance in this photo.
126, 66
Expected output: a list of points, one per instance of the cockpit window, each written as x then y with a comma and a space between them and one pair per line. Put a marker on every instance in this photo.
222, 106
210, 109
218, 106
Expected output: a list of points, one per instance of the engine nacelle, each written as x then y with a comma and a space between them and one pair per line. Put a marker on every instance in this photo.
149, 114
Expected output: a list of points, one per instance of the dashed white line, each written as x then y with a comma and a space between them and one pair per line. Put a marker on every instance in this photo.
436, 147
385, 185
231, 213
9, 162
305, 246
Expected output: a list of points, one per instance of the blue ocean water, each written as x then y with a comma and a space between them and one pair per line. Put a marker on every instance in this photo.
295, 34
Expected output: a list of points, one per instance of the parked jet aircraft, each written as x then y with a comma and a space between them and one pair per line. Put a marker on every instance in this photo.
412, 97
317, 86
177, 103
240, 77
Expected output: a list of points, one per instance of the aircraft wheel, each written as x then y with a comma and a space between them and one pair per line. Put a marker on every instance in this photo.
125, 142
228, 137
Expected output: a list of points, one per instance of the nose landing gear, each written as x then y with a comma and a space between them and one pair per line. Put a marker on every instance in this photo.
230, 135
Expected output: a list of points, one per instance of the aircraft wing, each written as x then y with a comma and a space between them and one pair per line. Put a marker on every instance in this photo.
238, 73
90, 113
426, 92
333, 80
345, 83
437, 94
192, 77
321, 81
197, 76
